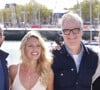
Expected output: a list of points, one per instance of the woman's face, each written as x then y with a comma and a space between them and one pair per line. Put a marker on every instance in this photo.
32, 49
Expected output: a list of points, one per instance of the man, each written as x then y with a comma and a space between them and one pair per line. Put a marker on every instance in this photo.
74, 64
4, 81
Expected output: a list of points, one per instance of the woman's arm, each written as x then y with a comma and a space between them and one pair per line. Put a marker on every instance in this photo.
51, 81
12, 74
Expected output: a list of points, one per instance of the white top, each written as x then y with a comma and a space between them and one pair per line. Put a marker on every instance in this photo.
18, 86
77, 61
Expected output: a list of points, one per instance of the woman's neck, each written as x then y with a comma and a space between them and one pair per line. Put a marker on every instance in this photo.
30, 66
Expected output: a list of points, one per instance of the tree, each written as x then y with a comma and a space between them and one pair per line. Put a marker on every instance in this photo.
85, 9
26, 14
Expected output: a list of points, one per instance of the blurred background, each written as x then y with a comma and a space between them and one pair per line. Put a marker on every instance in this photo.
17, 17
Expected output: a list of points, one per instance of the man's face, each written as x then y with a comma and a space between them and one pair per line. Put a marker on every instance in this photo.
72, 34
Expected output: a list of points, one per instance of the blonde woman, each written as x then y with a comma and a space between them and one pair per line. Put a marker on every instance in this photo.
34, 72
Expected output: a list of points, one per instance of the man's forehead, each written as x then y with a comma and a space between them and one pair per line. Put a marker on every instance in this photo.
70, 24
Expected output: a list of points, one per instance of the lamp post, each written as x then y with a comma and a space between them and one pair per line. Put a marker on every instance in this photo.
98, 14
90, 20
79, 11
36, 12
90, 12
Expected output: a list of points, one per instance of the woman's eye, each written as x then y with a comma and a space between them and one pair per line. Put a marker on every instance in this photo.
29, 45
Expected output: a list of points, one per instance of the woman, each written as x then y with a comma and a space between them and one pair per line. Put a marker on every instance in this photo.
34, 72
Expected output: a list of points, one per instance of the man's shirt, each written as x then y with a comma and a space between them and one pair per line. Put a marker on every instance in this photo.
1, 77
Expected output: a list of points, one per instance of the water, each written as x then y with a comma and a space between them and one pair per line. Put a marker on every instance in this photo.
12, 47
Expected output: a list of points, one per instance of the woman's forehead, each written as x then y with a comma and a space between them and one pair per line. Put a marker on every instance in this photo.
32, 40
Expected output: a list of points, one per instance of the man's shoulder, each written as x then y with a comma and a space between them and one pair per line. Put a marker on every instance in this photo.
92, 50
3, 54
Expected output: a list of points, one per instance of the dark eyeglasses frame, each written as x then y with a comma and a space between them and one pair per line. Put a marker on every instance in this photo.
74, 31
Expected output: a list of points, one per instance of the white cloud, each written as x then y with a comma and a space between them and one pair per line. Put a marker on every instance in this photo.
4, 2
52, 4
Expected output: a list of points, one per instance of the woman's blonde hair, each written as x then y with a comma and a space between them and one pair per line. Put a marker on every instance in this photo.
45, 59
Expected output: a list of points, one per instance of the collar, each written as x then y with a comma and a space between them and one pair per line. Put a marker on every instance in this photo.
3, 54
64, 51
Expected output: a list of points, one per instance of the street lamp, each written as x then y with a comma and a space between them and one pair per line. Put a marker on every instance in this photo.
90, 20
13, 14
98, 15
90, 12
79, 11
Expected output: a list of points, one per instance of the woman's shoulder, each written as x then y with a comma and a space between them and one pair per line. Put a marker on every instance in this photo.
13, 67
13, 70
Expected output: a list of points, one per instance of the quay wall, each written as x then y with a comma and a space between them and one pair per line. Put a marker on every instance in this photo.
18, 34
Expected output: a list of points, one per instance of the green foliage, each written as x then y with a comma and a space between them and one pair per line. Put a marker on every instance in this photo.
85, 8
26, 12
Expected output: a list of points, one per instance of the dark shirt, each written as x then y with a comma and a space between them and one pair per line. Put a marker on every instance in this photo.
1, 77
66, 76
4, 78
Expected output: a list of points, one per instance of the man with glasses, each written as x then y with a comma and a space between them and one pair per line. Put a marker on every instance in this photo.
74, 64
4, 81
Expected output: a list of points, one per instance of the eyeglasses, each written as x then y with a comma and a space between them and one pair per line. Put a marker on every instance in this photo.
74, 31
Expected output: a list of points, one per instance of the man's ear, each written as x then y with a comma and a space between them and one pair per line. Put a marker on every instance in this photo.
3, 38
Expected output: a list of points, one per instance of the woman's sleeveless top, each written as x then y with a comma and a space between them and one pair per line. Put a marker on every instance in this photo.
18, 86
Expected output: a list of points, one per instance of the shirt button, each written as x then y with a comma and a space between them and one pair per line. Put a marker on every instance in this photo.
61, 74
76, 83
72, 69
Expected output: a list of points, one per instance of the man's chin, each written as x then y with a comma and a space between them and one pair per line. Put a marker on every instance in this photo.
73, 46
